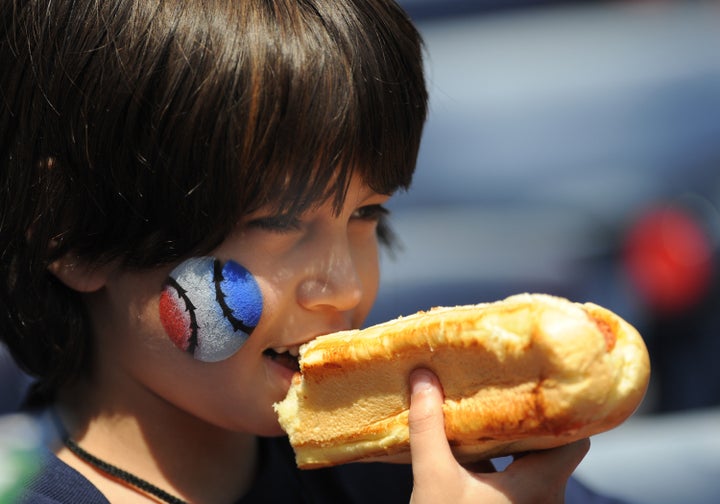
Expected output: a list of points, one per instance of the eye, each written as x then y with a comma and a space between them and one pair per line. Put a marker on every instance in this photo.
373, 213
280, 223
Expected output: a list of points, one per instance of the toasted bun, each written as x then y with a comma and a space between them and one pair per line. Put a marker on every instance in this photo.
530, 372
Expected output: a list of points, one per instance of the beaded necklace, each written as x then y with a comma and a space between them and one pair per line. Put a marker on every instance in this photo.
121, 474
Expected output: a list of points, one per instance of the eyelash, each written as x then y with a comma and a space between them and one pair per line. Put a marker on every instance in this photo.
288, 223
277, 223
371, 213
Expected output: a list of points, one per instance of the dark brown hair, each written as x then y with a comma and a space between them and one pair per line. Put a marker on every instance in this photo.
143, 130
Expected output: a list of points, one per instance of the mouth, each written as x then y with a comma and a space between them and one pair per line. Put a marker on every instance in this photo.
286, 357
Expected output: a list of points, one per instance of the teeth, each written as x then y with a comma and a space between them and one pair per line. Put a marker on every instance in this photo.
294, 350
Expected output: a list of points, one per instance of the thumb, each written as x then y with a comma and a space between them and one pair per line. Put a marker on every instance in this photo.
428, 443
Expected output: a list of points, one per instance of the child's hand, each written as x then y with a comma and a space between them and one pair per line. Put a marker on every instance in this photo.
538, 477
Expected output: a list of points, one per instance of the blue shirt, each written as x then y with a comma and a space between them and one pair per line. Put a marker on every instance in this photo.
278, 480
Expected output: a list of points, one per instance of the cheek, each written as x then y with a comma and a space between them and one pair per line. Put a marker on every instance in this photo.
209, 309
367, 262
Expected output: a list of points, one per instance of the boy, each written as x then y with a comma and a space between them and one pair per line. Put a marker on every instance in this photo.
191, 190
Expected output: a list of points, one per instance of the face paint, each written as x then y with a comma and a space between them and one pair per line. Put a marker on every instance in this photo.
209, 309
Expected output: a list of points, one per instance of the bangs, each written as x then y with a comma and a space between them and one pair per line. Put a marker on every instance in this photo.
307, 94
329, 89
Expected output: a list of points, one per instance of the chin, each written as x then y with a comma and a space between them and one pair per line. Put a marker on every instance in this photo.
265, 422
270, 429
274, 434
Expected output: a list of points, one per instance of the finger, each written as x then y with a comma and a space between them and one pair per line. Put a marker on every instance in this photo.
549, 470
562, 460
428, 442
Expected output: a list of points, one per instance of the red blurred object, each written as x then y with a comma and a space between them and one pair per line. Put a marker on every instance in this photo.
668, 256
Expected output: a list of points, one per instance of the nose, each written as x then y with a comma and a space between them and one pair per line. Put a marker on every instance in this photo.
332, 280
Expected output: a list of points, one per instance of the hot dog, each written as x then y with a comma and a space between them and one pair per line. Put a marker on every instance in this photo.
529, 372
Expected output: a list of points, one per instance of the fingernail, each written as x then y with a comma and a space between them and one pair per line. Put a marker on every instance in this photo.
422, 381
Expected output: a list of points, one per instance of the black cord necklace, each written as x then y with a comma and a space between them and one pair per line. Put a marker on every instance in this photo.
121, 474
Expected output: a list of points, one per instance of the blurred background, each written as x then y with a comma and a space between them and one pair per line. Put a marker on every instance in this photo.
573, 148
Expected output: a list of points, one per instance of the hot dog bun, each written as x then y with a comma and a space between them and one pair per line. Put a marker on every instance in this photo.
529, 372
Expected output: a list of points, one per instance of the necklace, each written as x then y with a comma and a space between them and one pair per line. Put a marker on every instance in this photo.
121, 474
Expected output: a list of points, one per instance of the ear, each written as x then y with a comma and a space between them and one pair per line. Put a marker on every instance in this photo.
79, 274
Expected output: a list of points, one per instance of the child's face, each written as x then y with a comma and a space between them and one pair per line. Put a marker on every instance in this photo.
317, 275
